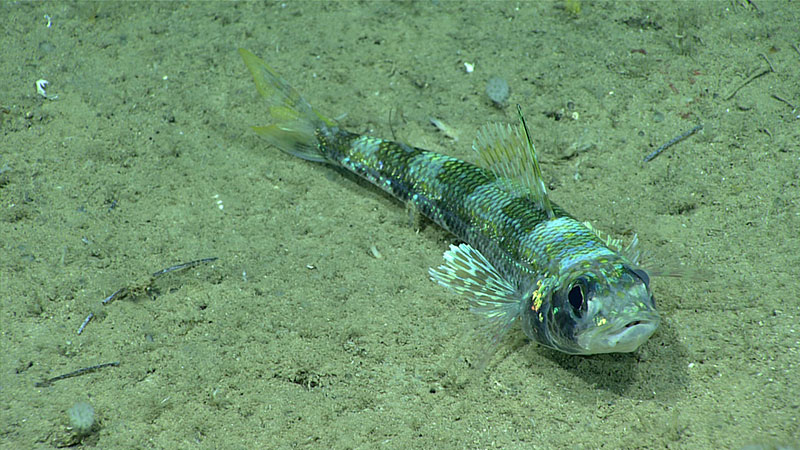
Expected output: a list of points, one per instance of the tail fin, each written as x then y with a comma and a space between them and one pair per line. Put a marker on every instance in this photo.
294, 122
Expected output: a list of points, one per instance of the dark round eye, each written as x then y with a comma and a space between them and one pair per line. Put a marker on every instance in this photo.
575, 297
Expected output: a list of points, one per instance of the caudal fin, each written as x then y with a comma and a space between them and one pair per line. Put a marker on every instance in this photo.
294, 123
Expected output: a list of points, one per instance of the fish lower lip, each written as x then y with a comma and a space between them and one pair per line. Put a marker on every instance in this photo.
623, 340
637, 331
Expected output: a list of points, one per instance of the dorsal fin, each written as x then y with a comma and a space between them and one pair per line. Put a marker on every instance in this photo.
511, 156
630, 252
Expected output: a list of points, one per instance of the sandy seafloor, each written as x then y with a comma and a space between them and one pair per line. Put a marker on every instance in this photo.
298, 336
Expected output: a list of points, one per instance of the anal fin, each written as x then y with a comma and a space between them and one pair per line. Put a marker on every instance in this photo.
415, 216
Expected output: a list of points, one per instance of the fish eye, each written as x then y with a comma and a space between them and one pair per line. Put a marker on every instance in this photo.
575, 297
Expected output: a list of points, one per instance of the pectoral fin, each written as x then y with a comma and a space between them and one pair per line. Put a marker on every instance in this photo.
466, 271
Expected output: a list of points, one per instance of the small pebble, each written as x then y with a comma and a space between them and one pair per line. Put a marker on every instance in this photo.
498, 91
81, 418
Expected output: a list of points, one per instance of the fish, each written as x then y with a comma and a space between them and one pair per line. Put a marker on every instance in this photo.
521, 257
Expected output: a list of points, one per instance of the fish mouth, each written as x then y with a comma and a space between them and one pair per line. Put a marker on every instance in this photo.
619, 339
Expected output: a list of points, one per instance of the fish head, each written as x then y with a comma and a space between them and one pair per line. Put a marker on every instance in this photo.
603, 308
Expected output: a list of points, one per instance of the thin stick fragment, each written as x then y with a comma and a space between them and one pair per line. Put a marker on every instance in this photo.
748, 80
183, 266
76, 373
794, 46
85, 322
779, 98
672, 142
772, 69
111, 297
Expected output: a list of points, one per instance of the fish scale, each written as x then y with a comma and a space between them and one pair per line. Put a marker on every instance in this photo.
458, 196
522, 259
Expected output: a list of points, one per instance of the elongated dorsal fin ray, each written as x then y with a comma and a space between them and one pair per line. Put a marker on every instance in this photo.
508, 152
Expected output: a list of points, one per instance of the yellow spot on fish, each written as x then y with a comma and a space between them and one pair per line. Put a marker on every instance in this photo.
536, 298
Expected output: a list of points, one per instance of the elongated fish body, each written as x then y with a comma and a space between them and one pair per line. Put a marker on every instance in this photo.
523, 257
